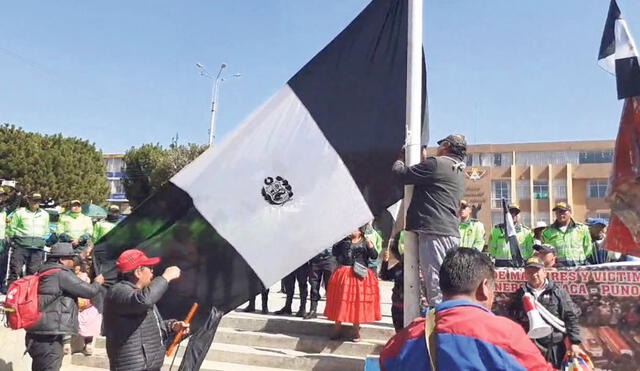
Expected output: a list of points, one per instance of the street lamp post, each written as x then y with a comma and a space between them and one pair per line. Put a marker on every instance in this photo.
214, 97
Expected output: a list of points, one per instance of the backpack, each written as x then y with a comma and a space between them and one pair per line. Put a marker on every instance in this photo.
21, 305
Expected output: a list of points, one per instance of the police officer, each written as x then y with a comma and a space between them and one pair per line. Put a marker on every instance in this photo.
75, 227
471, 230
300, 275
499, 247
104, 226
4, 248
572, 240
321, 268
27, 229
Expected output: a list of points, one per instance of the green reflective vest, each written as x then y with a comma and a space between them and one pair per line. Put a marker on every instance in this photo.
376, 239
499, 247
573, 246
471, 234
101, 228
29, 228
75, 225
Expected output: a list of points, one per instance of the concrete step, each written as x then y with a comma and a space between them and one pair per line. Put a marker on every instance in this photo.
295, 326
239, 357
302, 343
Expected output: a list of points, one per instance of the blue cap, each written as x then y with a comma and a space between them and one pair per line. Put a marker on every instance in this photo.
597, 221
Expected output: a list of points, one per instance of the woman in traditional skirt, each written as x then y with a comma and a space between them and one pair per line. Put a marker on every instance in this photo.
350, 297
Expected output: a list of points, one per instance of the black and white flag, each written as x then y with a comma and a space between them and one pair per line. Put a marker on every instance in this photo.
618, 54
510, 236
302, 172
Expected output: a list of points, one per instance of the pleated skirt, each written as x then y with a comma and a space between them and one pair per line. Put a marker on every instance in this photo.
352, 299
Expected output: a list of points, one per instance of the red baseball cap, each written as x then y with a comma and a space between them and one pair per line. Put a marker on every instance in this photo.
134, 258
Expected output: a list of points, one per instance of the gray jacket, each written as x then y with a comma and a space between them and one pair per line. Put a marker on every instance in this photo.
58, 295
439, 185
133, 327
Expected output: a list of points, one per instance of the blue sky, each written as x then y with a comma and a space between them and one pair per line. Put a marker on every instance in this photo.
122, 73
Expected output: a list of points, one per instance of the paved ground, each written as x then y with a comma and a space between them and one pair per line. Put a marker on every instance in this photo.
12, 342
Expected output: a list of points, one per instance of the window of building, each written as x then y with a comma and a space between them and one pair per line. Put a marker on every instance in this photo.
523, 189
543, 216
540, 158
500, 189
497, 217
497, 159
541, 189
560, 190
116, 186
596, 157
597, 188
525, 218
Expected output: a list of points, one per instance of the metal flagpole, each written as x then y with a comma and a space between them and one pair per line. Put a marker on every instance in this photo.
412, 152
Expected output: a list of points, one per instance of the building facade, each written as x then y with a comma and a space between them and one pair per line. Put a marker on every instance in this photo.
536, 176
115, 174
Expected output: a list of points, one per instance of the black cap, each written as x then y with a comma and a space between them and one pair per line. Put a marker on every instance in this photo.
545, 248
534, 262
455, 139
562, 206
62, 250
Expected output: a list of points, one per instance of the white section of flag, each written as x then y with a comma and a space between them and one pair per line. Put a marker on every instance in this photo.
624, 47
279, 139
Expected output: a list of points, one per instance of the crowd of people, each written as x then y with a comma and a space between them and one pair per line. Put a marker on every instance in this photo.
457, 270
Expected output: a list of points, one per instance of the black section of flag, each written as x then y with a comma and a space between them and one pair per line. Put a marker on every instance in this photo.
213, 274
608, 42
200, 342
355, 89
628, 77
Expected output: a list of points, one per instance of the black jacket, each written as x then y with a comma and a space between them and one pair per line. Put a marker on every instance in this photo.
133, 327
439, 185
557, 301
347, 253
58, 295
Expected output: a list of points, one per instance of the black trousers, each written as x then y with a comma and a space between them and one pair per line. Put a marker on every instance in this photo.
397, 316
45, 351
320, 271
20, 256
4, 264
299, 275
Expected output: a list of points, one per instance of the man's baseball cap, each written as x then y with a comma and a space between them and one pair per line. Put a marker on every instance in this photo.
514, 206
534, 262
114, 208
596, 221
134, 258
545, 248
562, 206
455, 139
75, 202
35, 196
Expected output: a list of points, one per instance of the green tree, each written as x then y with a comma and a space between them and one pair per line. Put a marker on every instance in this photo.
150, 166
60, 168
